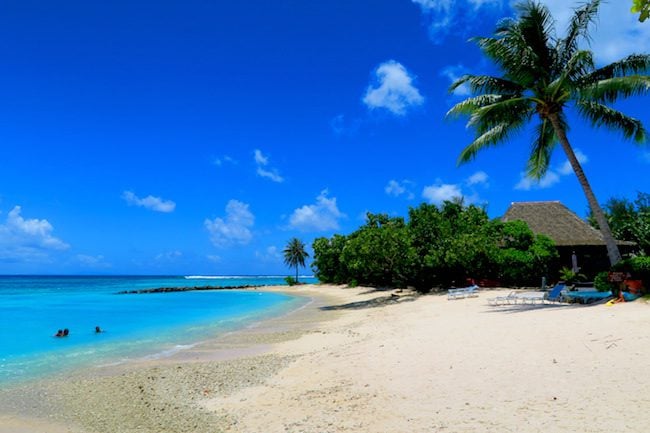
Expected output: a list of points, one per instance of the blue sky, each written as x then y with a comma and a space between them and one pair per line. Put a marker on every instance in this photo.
197, 137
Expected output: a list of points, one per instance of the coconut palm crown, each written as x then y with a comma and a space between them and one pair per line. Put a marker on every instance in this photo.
295, 254
542, 75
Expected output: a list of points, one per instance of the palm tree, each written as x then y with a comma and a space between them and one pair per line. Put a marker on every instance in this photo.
541, 76
295, 254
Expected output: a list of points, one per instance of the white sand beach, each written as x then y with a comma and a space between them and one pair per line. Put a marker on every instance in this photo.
360, 360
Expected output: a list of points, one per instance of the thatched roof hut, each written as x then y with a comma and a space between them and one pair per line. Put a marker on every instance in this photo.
569, 232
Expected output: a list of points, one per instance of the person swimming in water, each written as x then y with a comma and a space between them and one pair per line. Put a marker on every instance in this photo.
98, 330
59, 333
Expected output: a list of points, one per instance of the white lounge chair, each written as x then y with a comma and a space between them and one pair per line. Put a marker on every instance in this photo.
464, 292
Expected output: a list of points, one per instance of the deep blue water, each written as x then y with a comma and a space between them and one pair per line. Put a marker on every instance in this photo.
33, 308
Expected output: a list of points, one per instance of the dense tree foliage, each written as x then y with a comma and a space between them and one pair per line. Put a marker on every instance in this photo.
629, 221
438, 246
541, 76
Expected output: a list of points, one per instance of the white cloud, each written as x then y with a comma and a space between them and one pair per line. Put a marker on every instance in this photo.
150, 202
27, 239
394, 90
224, 160
616, 34
552, 177
454, 16
396, 188
566, 169
262, 162
480, 177
453, 73
436, 194
321, 216
466, 190
234, 228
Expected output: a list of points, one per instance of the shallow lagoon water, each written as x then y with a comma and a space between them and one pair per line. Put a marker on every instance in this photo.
32, 309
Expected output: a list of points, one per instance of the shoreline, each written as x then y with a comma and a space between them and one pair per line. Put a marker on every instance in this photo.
361, 359
18, 412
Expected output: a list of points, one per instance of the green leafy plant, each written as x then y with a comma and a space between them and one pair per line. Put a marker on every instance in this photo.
290, 281
602, 284
571, 277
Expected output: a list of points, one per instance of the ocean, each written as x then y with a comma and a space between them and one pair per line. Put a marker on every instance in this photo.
34, 308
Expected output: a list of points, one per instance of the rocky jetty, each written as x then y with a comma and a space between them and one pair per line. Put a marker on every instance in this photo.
183, 289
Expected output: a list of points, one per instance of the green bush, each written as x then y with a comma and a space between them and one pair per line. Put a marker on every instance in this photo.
290, 281
437, 247
601, 282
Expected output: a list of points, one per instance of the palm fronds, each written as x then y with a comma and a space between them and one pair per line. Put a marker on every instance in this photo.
602, 115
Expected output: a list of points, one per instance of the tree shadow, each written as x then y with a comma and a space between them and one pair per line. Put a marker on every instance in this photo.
522, 308
380, 301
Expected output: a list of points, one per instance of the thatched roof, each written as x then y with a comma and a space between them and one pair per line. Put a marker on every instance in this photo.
556, 221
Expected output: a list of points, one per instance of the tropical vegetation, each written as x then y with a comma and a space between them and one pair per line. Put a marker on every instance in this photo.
541, 76
437, 246
295, 255
629, 220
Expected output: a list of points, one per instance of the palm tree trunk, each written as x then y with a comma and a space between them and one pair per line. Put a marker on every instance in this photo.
612, 248
296, 273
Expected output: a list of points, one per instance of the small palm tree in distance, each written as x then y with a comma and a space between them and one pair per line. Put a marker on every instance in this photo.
295, 254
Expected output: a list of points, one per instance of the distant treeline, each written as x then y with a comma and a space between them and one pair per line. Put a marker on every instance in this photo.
438, 246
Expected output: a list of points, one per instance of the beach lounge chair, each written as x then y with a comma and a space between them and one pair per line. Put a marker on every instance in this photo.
556, 295
464, 292
531, 297
510, 298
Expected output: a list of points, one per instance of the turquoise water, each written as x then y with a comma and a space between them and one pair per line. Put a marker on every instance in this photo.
32, 309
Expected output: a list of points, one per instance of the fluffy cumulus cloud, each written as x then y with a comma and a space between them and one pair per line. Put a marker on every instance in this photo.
27, 239
234, 227
321, 216
552, 177
466, 191
393, 90
150, 202
438, 193
263, 169
480, 177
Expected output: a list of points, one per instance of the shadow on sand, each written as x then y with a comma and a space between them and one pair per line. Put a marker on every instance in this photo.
522, 308
380, 301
